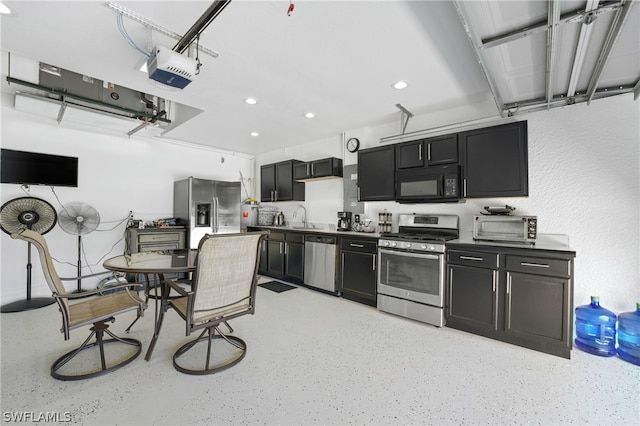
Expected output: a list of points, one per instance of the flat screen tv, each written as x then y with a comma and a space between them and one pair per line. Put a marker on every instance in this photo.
32, 168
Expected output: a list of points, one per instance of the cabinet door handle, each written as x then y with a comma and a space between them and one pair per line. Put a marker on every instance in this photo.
312, 169
308, 169
358, 193
276, 195
464, 187
509, 285
374, 262
286, 248
537, 265
356, 245
429, 152
494, 280
420, 152
471, 258
280, 245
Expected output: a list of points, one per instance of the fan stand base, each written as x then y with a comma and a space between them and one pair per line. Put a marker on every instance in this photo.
27, 305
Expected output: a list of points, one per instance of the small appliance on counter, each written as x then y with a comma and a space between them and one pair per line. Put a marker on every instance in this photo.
499, 225
344, 221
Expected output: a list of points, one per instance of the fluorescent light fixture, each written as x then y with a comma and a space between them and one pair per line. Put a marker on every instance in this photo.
310, 115
251, 101
400, 85
4, 9
255, 134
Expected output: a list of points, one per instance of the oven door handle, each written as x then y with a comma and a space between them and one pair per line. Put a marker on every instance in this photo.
410, 254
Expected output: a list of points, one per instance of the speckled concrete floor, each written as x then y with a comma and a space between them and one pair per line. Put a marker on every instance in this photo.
317, 359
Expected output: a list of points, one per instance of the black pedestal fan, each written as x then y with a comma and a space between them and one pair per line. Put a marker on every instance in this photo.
78, 219
39, 216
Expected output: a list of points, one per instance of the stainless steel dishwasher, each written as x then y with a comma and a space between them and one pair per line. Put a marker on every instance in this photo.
320, 262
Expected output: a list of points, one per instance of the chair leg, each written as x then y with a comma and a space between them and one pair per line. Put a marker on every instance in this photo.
98, 331
210, 335
146, 301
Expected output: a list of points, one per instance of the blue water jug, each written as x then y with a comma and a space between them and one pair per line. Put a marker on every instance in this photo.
629, 336
596, 329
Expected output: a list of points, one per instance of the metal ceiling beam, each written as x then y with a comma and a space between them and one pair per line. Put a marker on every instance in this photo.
476, 44
582, 47
203, 22
579, 15
562, 101
612, 36
552, 45
636, 91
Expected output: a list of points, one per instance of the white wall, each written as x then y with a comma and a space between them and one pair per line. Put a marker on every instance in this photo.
584, 182
116, 175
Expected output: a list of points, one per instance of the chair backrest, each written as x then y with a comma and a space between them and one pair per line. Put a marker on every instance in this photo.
50, 274
226, 275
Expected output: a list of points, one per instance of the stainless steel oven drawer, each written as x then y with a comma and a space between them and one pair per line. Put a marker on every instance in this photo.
359, 245
538, 265
473, 258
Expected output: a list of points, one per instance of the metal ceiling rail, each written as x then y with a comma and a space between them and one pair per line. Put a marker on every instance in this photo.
539, 104
476, 44
636, 91
581, 47
612, 36
579, 15
552, 45
154, 26
203, 22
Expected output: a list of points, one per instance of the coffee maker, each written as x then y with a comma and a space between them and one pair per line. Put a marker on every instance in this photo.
344, 221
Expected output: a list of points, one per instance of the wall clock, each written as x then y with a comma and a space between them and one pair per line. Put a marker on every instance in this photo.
353, 144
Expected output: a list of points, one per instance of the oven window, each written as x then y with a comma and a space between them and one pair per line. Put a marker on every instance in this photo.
409, 271
506, 228
419, 188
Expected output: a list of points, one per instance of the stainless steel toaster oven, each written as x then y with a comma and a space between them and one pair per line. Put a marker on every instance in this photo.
523, 229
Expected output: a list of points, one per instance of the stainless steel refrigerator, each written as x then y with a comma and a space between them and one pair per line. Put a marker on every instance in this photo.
208, 206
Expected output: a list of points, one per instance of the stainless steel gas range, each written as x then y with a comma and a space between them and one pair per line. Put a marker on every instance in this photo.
411, 267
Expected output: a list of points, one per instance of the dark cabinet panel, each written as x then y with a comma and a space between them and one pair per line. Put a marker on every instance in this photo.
275, 258
376, 174
277, 183
263, 266
472, 296
427, 152
318, 169
535, 307
495, 161
358, 270
410, 154
442, 150
294, 261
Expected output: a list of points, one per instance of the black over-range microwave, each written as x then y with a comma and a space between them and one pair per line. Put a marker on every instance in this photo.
433, 184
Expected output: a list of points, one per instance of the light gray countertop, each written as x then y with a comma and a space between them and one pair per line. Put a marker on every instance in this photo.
552, 242
320, 229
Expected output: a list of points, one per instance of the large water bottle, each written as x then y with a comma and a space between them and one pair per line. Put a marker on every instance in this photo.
629, 336
596, 329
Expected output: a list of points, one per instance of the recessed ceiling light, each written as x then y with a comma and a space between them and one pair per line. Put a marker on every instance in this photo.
4, 9
310, 115
399, 85
255, 134
251, 101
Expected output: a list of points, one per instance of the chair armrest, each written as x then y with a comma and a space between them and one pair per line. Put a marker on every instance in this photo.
177, 288
98, 291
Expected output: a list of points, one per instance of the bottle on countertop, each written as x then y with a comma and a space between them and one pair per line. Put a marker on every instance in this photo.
596, 329
629, 335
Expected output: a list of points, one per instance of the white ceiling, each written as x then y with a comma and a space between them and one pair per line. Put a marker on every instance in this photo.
337, 59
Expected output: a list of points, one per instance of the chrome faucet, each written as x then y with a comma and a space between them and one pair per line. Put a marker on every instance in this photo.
304, 219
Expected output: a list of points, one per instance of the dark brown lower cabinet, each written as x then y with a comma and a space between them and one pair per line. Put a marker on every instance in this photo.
520, 296
358, 270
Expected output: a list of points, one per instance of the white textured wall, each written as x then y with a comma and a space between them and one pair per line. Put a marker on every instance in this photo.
116, 175
584, 182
